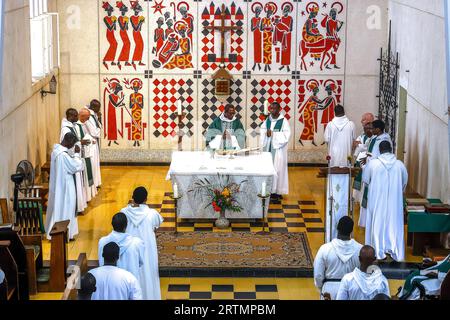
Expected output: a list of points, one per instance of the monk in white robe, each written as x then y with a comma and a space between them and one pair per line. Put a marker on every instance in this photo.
68, 125
131, 257
62, 199
274, 138
335, 259
94, 128
366, 282
142, 223
373, 151
340, 134
88, 153
114, 283
387, 179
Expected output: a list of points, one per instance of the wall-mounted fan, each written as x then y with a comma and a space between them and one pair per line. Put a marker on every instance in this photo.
23, 180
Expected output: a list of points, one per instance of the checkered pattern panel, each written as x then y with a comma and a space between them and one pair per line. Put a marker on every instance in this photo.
166, 93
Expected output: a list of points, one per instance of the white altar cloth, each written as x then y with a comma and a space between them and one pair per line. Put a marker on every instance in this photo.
188, 167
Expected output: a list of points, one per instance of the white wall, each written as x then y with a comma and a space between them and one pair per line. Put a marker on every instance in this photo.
29, 126
419, 37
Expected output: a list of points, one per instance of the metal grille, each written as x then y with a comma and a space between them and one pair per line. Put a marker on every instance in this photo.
388, 90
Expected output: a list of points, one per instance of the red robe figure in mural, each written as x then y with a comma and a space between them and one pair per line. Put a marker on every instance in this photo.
123, 25
136, 106
182, 60
311, 34
136, 22
110, 22
167, 51
287, 22
333, 27
257, 36
115, 101
267, 31
187, 18
328, 105
159, 36
308, 115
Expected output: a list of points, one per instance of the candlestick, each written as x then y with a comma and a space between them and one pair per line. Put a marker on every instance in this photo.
179, 108
266, 107
175, 190
263, 188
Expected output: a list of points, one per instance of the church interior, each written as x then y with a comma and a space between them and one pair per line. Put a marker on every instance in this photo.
242, 150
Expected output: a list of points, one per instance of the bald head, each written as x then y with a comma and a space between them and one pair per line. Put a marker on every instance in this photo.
367, 118
84, 115
367, 257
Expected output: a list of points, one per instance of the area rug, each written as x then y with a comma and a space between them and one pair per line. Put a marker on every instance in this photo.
234, 254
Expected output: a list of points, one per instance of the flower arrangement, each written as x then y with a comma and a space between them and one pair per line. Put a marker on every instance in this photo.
222, 193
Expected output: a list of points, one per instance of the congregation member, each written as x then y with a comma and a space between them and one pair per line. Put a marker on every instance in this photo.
365, 282
131, 257
226, 132
275, 136
88, 154
68, 126
94, 129
387, 179
113, 283
142, 223
62, 199
339, 135
335, 259
87, 287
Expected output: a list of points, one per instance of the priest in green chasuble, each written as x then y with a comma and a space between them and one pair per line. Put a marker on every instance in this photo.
226, 132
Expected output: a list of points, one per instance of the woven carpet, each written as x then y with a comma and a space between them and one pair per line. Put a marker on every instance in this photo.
236, 254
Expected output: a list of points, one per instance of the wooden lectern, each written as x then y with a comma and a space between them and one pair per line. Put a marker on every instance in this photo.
329, 196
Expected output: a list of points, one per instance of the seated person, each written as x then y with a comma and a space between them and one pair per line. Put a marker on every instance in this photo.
114, 283
87, 287
425, 282
365, 282
226, 132
335, 259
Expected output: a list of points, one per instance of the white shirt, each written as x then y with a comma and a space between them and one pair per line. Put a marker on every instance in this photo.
114, 283
359, 285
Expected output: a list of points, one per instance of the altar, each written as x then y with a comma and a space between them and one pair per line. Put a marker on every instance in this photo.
250, 172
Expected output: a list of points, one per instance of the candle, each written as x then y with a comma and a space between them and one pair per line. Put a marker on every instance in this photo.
263, 189
266, 107
179, 108
175, 190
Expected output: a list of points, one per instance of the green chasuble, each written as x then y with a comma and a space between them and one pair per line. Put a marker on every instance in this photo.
357, 184
218, 127
366, 188
88, 161
278, 127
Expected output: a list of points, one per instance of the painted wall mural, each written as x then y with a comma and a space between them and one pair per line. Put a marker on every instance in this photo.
156, 54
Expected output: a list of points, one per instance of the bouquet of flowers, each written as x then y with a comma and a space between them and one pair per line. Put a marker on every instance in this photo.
222, 193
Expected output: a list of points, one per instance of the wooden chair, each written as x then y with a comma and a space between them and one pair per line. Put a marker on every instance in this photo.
10, 289
29, 215
56, 275
79, 270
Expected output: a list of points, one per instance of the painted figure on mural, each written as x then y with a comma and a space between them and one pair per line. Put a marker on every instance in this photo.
267, 29
183, 8
136, 107
137, 21
159, 35
287, 23
329, 103
169, 28
255, 27
309, 113
115, 102
123, 25
183, 58
110, 22
171, 45
311, 34
333, 26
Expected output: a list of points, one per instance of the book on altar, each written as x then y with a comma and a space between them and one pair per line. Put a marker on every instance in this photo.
215, 144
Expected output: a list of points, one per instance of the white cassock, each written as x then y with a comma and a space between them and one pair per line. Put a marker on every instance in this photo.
374, 150
68, 127
89, 161
62, 199
387, 179
131, 251
278, 145
359, 285
114, 283
333, 261
340, 134
142, 223
94, 128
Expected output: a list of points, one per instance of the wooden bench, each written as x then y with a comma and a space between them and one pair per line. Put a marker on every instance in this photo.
6, 214
10, 287
33, 249
78, 271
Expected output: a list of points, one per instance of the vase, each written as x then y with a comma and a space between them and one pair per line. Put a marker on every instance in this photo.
222, 222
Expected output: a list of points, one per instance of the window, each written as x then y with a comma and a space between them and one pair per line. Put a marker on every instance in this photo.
43, 58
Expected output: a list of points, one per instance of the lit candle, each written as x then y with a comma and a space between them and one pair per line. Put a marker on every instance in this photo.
175, 190
266, 107
179, 108
263, 189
